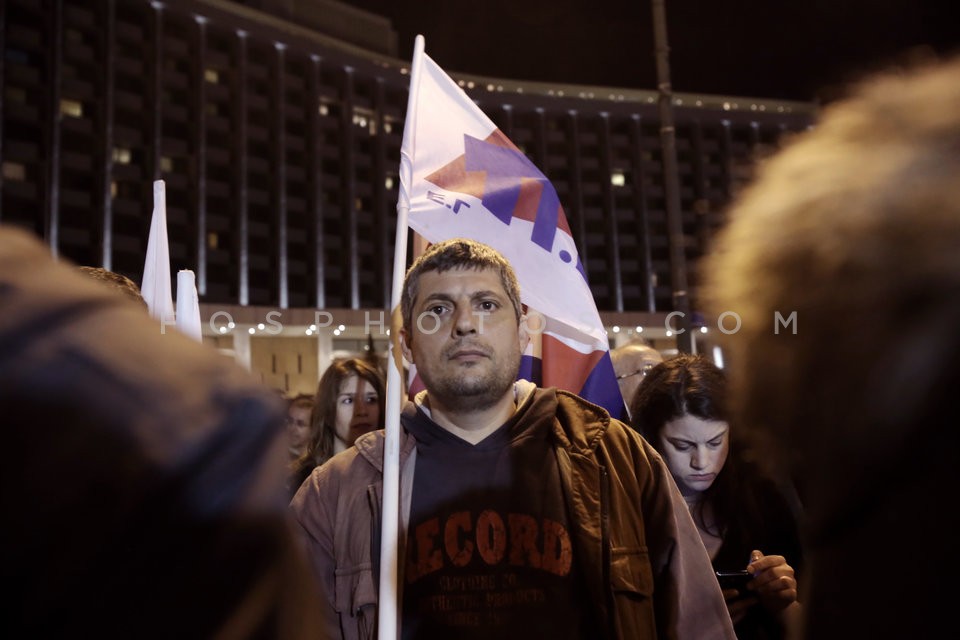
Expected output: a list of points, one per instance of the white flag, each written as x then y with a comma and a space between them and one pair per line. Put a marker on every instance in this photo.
466, 179
156, 288
188, 305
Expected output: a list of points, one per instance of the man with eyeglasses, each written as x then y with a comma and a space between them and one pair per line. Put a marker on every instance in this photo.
632, 361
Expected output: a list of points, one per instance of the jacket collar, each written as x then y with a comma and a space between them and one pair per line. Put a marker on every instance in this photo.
578, 424
522, 393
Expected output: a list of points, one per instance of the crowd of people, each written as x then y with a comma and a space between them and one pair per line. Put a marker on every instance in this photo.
163, 496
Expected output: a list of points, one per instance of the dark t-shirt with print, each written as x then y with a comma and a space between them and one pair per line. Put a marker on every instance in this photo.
489, 554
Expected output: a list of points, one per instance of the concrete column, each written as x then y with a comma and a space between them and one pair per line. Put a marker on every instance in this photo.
241, 348
324, 350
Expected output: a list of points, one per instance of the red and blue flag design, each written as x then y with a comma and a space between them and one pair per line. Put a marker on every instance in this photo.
464, 178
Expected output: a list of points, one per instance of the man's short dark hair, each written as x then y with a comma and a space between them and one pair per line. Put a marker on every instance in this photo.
458, 253
116, 281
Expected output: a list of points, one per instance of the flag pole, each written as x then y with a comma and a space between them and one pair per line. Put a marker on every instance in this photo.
388, 611
671, 180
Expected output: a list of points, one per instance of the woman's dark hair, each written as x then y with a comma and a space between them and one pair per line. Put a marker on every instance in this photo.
684, 384
692, 385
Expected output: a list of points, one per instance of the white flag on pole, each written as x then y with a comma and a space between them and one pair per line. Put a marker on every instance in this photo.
156, 287
188, 305
461, 177
388, 623
468, 180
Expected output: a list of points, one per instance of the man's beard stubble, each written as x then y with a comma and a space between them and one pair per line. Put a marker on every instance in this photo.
466, 393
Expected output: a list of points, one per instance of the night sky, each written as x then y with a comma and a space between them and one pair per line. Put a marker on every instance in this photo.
757, 48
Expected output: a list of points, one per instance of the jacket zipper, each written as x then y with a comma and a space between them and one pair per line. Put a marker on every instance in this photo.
610, 623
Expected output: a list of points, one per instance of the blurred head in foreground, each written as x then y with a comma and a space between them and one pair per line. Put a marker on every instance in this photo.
147, 476
842, 261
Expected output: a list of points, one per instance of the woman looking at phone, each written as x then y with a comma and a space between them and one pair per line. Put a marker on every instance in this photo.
744, 519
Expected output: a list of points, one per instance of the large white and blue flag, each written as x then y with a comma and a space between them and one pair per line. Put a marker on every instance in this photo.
461, 177
466, 179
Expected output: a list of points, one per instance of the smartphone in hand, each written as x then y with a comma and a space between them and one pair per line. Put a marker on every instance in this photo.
734, 580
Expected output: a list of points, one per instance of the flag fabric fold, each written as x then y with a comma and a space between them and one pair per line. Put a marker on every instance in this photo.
466, 179
157, 287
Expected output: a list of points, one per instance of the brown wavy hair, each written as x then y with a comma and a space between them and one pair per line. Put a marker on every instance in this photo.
323, 416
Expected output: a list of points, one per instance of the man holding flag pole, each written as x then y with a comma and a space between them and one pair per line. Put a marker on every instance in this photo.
492, 507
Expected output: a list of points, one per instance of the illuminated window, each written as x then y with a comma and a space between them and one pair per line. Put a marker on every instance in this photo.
14, 171
72, 108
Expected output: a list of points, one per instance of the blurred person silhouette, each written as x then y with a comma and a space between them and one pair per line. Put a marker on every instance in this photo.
298, 424
526, 512
116, 281
348, 403
142, 496
740, 512
631, 362
842, 263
